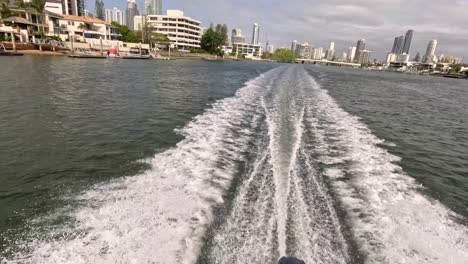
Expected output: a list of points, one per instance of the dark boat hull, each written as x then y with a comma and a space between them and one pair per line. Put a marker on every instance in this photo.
5, 53
87, 57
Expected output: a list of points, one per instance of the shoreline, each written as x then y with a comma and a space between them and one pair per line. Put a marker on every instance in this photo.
39, 52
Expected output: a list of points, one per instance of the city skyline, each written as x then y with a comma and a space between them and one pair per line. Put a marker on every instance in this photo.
340, 21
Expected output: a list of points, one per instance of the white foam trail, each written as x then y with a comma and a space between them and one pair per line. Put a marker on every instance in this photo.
161, 215
276, 212
391, 220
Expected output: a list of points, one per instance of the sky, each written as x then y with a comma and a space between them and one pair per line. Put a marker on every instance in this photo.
319, 22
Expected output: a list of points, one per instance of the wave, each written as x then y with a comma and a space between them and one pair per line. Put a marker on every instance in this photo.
304, 178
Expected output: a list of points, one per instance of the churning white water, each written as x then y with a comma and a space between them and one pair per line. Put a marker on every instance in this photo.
296, 157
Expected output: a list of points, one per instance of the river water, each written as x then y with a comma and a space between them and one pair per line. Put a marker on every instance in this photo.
120, 161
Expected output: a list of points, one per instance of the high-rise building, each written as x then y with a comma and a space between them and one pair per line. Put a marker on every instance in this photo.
114, 15
132, 11
407, 43
138, 22
351, 53
73, 7
417, 58
361, 45
293, 46
364, 56
330, 54
109, 15
88, 13
270, 48
236, 36
118, 16
303, 51
316, 53
153, 7
255, 34
398, 45
344, 56
430, 51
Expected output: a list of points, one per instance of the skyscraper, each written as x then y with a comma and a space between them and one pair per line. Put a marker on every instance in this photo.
351, 53
361, 45
73, 7
236, 36
430, 51
132, 11
153, 7
364, 57
407, 43
109, 15
255, 33
294, 46
330, 52
118, 16
398, 45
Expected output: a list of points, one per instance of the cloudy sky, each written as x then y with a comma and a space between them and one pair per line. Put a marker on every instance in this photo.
343, 21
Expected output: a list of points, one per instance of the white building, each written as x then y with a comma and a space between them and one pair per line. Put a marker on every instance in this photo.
93, 28
54, 6
88, 13
118, 16
391, 57
138, 22
293, 46
270, 49
429, 57
317, 53
351, 54
236, 36
364, 57
109, 14
402, 58
114, 15
303, 51
255, 34
249, 51
183, 32
344, 55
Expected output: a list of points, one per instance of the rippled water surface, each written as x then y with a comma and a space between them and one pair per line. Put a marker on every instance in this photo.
120, 161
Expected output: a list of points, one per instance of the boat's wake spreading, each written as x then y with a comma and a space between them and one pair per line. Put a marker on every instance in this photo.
290, 158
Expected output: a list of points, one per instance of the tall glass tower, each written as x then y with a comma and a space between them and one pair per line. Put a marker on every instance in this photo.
255, 34
153, 7
408, 39
361, 45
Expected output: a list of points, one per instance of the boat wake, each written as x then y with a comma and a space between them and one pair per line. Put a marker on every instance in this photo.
278, 169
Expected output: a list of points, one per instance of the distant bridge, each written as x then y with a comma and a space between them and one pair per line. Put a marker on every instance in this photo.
327, 62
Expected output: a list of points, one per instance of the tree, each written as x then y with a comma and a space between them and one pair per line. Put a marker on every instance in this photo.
212, 41
39, 7
127, 34
5, 10
222, 30
99, 5
283, 55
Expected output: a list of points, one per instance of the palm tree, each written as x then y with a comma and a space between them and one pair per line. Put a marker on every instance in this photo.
39, 7
5, 11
